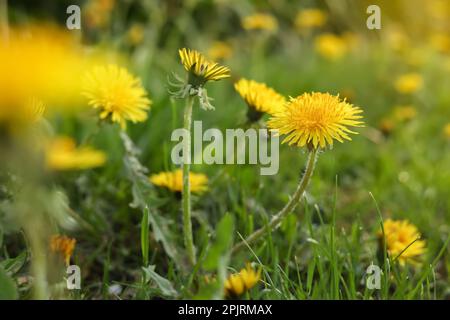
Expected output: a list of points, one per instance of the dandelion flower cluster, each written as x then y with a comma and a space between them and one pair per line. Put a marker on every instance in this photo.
62, 154
409, 83
260, 21
200, 68
331, 46
244, 280
259, 97
118, 94
173, 180
63, 245
316, 119
402, 239
310, 18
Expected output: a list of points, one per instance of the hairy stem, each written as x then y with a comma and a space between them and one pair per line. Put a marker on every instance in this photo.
276, 219
187, 223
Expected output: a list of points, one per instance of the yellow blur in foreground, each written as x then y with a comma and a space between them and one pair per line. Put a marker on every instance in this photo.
40, 62
62, 154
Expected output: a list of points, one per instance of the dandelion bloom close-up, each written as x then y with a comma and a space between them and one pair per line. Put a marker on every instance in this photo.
201, 68
173, 180
236, 284
316, 119
118, 94
63, 245
403, 241
62, 154
259, 96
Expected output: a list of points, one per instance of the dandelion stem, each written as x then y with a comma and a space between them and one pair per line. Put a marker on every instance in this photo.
187, 223
276, 219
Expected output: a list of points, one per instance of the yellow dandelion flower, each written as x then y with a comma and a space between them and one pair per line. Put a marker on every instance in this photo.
136, 34
259, 97
447, 130
260, 21
409, 83
201, 69
118, 94
63, 245
220, 50
50, 62
331, 46
405, 113
173, 180
310, 18
401, 239
62, 154
316, 119
236, 284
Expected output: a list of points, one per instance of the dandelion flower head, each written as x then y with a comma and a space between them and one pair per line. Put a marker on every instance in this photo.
402, 239
259, 96
173, 180
236, 284
316, 119
118, 95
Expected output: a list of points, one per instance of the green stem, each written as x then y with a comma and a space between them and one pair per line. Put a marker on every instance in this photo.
187, 223
276, 219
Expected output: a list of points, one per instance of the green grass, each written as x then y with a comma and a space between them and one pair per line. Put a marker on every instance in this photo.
325, 245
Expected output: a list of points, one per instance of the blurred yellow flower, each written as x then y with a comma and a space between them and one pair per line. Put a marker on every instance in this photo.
220, 50
200, 69
396, 39
316, 119
118, 94
173, 180
405, 113
260, 21
402, 238
63, 245
136, 34
259, 96
447, 130
40, 61
440, 42
310, 18
409, 83
98, 12
238, 283
62, 154
330, 46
